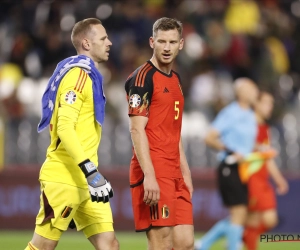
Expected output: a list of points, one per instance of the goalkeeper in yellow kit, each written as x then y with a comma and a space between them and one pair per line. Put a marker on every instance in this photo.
72, 189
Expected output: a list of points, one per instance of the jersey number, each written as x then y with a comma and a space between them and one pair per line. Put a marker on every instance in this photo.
176, 108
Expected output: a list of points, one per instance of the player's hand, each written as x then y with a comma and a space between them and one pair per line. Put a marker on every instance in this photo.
273, 150
100, 189
234, 158
282, 187
263, 148
188, 182
151, 190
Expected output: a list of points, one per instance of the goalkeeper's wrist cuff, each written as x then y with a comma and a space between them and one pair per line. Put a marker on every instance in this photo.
87, 167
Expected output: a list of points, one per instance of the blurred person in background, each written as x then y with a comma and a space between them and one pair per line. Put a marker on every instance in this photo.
73, 192
160, 179
234, 43
11, 109
233, 133
262, 201
10, 78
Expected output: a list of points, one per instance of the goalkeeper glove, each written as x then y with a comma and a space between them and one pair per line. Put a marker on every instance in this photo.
100, 189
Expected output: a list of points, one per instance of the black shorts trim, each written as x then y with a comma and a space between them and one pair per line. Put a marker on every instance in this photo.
144, 230
150, 227
137, 184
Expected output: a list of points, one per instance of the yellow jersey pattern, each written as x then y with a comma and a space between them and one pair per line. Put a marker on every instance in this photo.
74, 131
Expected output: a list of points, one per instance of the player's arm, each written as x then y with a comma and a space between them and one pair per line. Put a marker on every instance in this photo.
213, 140
220, 125
185, 170
76, 82
141, 147
213, 137
139, 96
70, 102
280, 181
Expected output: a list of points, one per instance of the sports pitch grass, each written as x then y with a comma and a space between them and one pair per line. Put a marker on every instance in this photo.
17, 240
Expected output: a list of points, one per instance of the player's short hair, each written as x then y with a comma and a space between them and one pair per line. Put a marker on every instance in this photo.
263, 93
166, 24
82, 28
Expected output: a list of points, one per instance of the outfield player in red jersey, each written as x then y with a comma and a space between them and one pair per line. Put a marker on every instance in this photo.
160, 178
262, 200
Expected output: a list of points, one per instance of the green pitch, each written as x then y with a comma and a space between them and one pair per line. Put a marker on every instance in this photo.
17, 240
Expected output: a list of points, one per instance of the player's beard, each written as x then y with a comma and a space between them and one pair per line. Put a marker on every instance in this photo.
102, 57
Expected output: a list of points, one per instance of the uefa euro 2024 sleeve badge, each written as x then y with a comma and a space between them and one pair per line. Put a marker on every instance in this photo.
134, 100
70, 97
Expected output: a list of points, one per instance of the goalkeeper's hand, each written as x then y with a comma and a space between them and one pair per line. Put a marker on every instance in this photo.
100, 189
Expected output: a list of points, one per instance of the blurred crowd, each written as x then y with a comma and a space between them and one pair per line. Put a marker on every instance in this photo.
224, 40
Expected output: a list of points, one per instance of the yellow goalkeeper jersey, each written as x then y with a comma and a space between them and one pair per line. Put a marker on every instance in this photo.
75, 133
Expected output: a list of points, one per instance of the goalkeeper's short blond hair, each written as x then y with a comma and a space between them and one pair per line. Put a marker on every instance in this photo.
81, 29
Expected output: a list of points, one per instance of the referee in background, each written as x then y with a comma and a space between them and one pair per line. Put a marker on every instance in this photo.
233, 134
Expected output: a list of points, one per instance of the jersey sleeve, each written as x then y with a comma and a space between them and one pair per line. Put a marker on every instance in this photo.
75, 88
223, 121
139, 90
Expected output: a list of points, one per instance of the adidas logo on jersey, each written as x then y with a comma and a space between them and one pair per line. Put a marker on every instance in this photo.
166, 90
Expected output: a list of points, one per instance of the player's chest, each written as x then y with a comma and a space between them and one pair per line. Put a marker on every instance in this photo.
167, 91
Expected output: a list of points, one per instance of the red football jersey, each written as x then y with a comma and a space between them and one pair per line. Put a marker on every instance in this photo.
260, 191
262, 141
158, 96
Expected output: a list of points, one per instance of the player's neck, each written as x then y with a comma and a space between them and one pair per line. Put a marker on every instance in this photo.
259, 119
243, 104
166, 68
95, 62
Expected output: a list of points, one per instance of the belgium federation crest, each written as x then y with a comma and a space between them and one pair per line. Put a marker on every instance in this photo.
165, 212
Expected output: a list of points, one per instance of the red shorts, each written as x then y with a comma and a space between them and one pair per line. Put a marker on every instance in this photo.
261, 196
173, 208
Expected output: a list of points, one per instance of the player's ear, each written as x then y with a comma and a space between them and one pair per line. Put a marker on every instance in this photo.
85, 44
151, 42
181, 42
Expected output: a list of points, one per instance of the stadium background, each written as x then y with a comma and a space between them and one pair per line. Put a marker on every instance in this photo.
223, 40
